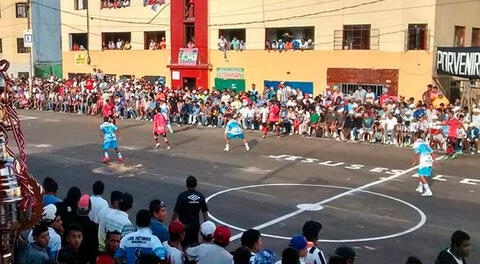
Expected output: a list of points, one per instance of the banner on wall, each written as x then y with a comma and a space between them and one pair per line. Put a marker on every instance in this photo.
231, 84
188, 56
305, 87
231, 73
461, 62
80, 59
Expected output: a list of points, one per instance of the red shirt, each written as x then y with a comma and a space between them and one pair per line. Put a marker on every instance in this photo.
105, 258
453, 125
107, 110
89, 84
273, 113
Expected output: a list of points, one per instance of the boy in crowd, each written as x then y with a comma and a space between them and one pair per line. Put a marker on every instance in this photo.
425, 157
252, 240
50, 196
36, 252
53, 222
173, 246
109, 134
111, 245
159, 128
311, 230
70, 253
233, 130
159, 213
457, 252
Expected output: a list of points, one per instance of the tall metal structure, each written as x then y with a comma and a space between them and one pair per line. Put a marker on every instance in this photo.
20, 193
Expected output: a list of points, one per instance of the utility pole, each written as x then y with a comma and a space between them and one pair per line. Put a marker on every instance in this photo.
88, 33
31, 71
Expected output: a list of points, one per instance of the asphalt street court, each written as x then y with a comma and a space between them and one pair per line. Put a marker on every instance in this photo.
364, 195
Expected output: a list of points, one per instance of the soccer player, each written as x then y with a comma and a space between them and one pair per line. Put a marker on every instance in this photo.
110, 132
233, 130
425, 157
159, 125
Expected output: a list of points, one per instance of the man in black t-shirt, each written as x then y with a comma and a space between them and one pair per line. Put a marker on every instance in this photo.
187, 209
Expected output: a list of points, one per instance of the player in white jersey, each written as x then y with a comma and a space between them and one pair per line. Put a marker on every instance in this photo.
424, 156
165, 110
109, 134
233, 130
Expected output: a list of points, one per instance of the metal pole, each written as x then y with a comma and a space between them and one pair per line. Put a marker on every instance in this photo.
31, 71
88, 33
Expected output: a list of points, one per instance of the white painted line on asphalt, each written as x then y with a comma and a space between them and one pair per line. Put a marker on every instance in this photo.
421, 222
333, 198
22, 117
42, 146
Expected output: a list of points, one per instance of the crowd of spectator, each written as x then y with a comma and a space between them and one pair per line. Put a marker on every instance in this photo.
120, 44
157, 45
356, 116
281, 45
85, 228
115, 3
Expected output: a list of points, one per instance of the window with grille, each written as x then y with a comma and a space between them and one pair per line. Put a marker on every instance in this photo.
475, 37
459, 38
417, 37
20, 47
356, 37
21, 10
352, 87
80, 4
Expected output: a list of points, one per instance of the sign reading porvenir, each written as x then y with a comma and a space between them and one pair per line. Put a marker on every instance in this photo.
462, 62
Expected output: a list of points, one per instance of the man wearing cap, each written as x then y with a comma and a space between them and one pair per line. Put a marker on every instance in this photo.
50, 218
173, 246
347, 253
141, 242
213, 253
311, 230
299, 243
187, 209
117, 220
89, 247
206, 231
159, 213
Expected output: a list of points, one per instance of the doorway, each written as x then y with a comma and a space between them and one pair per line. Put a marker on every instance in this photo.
190, 82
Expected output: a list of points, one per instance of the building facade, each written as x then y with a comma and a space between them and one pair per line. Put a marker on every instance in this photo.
378, 44
13, 22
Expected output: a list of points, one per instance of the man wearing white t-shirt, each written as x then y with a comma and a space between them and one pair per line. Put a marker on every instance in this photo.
97, 202
115, 197
173, 247
389, 124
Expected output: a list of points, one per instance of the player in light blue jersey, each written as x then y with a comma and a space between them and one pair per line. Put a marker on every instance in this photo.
233, 130
425, 157
109, 134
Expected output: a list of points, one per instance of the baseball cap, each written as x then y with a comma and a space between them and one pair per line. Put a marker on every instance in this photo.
49, 213
298, 242
207, 228
265, 256
222, 235
346, 252
84, 205
176, 227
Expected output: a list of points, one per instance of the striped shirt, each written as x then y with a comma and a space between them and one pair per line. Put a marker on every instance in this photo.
315, 255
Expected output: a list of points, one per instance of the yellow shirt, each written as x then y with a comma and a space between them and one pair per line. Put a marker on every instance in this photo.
436, 103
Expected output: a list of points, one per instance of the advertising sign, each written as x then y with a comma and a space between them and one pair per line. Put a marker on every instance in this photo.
188, 56
462, 62
231, 73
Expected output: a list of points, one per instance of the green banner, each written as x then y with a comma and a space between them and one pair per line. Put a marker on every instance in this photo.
222, 84
45, 70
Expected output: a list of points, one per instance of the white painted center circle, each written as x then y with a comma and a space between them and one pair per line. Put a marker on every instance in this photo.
423, 218
310, 207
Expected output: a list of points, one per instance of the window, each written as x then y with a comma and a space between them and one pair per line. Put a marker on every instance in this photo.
20, 47
230, 34
475, 37
22, 10
154, 40
80, 4
78, 41
189, 34
117, 40
114, 3
417, 37
297, 37
356, 37
459, 40
1, 46
352, 87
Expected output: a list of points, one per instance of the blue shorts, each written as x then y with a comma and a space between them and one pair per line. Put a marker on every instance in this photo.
239, 136
425, 171
110, 144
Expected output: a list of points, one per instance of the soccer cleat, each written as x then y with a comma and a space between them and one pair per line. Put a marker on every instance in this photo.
226, 149
419, 189
247, 147
157, 146
120, 159
106, 160
427, 193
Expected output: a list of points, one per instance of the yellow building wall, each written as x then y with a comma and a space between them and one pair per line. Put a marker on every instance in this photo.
12, 28
414, 67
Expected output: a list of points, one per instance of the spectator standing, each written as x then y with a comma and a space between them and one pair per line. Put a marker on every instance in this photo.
235, 44
215, 252
97, 201
89, 247
222, 46
207, 229
347, 253
242, 255
173, 246
252, 240
115, 198
311, 230
457, 252
50, 196
111, 245
141, 242
299, 243
68, 208
187, 209
290, 256
50, 218
71, 253
36, 252
158, 212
